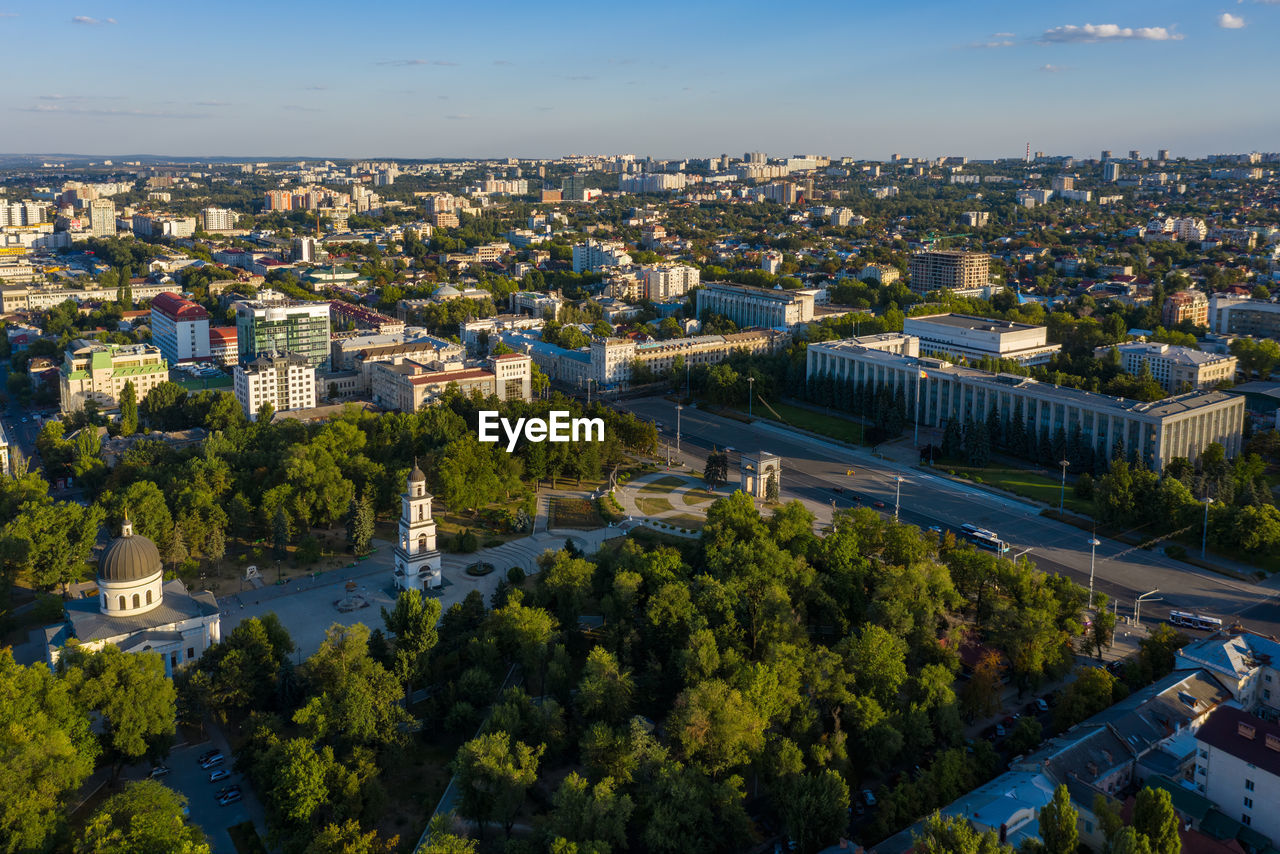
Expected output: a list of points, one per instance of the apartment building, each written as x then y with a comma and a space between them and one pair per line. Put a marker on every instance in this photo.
967, 337
1230, 315
222, 345
284, 380
934, 271
1174, 367
102, 218
1238, 766
749, 306
218, 219
93, 370
180, 328
666, 282
435, 354
283, 326
26, 298
884, 274
407, 385
771, 262
1185, 305
936, 391
346, 315
595, 255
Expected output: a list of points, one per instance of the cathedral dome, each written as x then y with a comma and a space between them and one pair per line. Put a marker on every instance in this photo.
129, 558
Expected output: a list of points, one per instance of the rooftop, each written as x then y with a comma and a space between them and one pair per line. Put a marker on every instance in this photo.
978, 324
1243, 736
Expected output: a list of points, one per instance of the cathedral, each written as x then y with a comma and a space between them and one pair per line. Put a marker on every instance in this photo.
417, 559
136, 610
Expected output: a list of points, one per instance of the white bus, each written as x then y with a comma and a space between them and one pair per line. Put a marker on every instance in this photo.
984, 539
1189, 620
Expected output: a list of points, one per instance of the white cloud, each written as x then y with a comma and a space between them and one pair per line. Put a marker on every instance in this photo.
93, 22
1002, 35
1230, 22
1052, 69
1071, 34
405, 63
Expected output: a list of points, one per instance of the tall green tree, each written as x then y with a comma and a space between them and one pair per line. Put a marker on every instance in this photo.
1154, 818
1058, 820
494, 772
815, 809
47, 751
134, 697
413, 622
954, 835
146, 816
355, 700
360, 521
128, 409
588, 814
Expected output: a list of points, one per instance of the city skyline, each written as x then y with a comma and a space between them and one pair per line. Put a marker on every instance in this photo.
982, 81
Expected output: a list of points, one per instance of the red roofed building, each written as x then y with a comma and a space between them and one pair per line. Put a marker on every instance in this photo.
180, 328
222, 345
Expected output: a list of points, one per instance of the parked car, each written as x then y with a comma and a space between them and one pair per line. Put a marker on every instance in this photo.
159, 771
224, 790
868, 797
1001, 732
215, 759
219, 774
207, 755
1041, 705
230, 798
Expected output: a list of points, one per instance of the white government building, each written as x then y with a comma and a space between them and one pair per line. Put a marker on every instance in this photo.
1157, 432
963, 336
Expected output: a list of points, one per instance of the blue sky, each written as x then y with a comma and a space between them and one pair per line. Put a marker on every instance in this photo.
417, 79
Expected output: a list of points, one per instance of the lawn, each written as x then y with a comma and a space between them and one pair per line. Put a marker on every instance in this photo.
575, 513
832, 426
653, 506
1027, 484
665, 484
699, 496
686, 520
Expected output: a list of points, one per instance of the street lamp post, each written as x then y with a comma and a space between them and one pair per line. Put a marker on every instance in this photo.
1137, 605
897, 495
751, 393
1062, 493
590, 380
1093, 554
916, 440
1204, 539
678, 408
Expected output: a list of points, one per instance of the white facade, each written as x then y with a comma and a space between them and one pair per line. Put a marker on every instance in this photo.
1172, 366
286, 382
771, 261
978, 337
218, 219
180, 328
597, 254
102, 218
665, 282
1238, 768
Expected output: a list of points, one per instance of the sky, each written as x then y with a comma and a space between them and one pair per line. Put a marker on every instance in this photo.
418, 79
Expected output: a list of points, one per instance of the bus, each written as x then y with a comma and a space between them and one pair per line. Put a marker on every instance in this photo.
1188, 620
984, 539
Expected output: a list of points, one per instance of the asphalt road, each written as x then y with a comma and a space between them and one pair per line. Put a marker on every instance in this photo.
812, 468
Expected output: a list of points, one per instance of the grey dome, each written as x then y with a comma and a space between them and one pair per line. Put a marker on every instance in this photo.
129, 558
447, 291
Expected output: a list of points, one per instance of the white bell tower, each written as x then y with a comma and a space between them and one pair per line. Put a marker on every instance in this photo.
417, 560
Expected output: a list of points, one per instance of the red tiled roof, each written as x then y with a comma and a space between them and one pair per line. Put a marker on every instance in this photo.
175, 307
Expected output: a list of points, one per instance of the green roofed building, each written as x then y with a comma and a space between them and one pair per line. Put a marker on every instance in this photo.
92, 370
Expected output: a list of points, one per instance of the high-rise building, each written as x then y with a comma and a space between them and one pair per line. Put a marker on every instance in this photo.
304, 249
1106, 155
299, 328
180, 328
574, 188
278, 200
286, 381
1064, 182
596, 254
665, 282
1163, 154
1111, 172
1185, 305
218, 219
102, 218
92, 370
755, 157
1135, 154
933, 271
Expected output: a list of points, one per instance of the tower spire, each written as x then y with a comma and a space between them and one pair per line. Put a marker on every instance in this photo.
126, 527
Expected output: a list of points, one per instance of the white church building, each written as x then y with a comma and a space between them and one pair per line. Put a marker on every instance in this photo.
417, 560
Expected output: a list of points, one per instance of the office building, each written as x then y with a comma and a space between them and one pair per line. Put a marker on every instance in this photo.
93, 370
1231, 315
218, 219
180, 328
407, 385
1175, 368
934, 271
574, 189
595, 255
284, 326
750, 306
1157, 432
973, 338
284, 381
1185, 306
102, 218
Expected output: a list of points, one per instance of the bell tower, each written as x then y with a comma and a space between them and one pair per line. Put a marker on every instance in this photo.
416, 557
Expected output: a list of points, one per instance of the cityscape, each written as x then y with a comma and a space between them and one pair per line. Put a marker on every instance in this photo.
808, 471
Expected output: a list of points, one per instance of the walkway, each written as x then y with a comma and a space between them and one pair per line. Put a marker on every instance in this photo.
672, 502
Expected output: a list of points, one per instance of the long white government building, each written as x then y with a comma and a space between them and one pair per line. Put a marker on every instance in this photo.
1180, 426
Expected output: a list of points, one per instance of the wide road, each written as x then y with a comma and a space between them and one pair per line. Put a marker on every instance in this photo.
811, 468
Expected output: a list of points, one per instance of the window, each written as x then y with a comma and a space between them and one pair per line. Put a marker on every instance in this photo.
1088, 826
1246, 819
1248, 785
1248, 803
148, 597
137, 603
122, 605
1266, 693
191, 653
